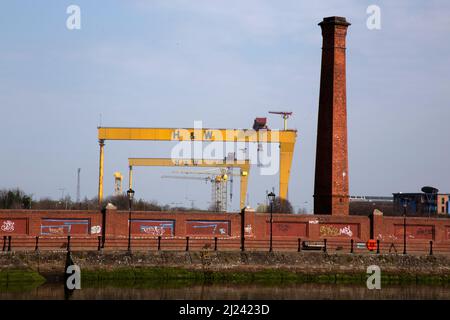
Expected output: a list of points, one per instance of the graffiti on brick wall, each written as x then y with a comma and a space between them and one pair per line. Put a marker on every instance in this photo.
154, 228
8, 226
287, 229
96, 229
208, 227
62, 227
248, 229
338, 230
423, 232
13, 226
386, 237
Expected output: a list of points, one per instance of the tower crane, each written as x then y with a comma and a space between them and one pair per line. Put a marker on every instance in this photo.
227, 174
218, 180
284, 114
168, 176
224, 172
218, 192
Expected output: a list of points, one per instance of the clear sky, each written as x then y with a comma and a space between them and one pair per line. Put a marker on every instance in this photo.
168, 63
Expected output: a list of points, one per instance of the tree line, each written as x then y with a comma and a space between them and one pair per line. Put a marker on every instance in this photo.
18, 199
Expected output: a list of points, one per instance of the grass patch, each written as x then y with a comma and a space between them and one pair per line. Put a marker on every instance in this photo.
19, 280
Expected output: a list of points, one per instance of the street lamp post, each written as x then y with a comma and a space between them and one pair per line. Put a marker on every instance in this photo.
243, 229
130, 194
271, 197
405, 205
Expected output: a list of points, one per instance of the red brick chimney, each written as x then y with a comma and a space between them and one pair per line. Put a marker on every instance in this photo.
331, 178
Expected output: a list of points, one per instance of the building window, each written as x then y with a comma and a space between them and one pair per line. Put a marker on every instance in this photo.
442, 201
443, 209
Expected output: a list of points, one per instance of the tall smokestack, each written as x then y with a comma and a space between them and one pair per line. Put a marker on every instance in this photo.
331, 177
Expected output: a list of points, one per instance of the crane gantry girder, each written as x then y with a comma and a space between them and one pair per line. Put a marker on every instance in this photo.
286, 139
195, 134
243, 165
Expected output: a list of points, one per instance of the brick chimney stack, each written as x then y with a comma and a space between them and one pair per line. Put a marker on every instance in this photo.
331, 177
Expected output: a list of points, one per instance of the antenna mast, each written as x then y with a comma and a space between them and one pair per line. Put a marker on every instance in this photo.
78, 184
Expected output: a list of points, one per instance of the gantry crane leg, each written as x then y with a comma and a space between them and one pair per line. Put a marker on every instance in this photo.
100, 174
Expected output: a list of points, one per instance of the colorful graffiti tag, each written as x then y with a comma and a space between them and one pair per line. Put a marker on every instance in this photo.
13, 226
339, 230
62, 227
208, 227
153, 227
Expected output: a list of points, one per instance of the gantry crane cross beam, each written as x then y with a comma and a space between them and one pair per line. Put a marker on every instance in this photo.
243, 165
286, 139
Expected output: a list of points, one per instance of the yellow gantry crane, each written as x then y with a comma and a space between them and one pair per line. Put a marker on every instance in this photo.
285, 138
243, 165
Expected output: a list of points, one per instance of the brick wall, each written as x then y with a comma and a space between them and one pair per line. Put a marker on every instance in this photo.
181, 224
89, 225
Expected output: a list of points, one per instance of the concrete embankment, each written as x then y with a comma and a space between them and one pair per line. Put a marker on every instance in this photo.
225, 265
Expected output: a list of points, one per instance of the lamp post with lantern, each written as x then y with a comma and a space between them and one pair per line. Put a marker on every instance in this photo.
130, 194
271, 197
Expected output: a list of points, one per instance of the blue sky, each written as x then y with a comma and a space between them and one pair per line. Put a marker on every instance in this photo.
169, 63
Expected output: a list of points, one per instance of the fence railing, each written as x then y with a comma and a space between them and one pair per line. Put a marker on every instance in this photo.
90, 243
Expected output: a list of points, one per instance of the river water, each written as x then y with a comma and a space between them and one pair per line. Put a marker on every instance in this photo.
302, 291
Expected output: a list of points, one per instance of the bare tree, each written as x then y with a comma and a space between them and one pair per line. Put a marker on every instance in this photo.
279, 206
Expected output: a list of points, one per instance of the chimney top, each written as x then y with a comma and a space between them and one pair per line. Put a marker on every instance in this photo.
335, 21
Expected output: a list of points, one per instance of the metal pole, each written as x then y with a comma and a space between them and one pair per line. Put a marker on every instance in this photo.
100, 173
351, 246
159, 243
431, 247
36, 247
271, 225
378, 246
404, 229
103, 236
68, 243
129, 225
187, 243
215, 243
9, 243
99, 243
243, 229
299, 245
